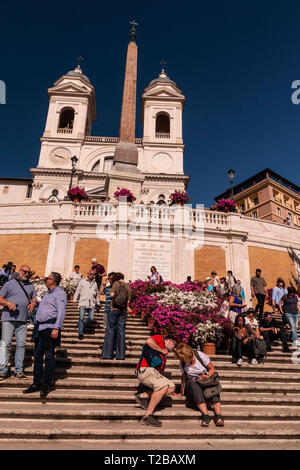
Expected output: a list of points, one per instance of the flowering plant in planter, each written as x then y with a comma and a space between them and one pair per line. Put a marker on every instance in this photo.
77, 193
209, 332
124, 193
226, 205
179, 198
67, 285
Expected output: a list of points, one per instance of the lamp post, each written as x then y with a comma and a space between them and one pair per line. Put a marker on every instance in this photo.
74, 161
231, 174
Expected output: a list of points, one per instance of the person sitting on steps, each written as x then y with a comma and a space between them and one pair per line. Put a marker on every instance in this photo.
243, 338
191, 368
271, 332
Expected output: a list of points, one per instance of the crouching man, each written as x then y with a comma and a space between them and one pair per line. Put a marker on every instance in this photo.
149, 373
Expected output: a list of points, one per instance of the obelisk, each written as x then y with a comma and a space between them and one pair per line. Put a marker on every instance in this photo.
126, 153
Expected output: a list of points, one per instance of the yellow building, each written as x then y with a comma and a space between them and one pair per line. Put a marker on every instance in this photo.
267, 196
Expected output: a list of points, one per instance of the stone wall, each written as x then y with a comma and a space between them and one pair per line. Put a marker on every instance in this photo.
273, 263
31, 249
88, 248
207, 259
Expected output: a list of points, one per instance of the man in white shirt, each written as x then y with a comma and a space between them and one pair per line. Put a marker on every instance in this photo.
87, 293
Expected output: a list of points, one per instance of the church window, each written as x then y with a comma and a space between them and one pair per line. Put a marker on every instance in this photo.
108, 163
162, 125
96, 167
66, 120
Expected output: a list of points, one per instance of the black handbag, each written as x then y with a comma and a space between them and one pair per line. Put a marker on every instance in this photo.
211, 385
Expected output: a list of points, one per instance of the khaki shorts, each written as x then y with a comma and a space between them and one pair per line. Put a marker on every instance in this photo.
153, 379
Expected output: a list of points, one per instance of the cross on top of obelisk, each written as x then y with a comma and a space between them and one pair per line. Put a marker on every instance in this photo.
163, 62
79, 59
132, 31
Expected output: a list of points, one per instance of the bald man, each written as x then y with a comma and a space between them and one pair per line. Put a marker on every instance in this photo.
17, 296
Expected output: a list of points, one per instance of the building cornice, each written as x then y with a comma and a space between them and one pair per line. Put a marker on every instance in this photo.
54, 172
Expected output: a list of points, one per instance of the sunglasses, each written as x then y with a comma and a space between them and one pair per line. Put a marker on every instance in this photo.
25, 272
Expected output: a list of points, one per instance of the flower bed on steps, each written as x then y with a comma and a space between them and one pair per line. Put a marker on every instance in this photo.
178, 309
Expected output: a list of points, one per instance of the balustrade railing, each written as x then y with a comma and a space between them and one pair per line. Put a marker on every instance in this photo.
162, 135
113, 140
146, 213
64, 131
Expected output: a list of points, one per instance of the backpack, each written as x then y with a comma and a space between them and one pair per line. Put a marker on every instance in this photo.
260, 348
152, 357
121, 297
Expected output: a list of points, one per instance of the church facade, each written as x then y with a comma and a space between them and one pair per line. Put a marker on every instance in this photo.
40, 226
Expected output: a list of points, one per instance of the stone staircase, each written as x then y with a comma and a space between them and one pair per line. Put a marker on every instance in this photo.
93, 403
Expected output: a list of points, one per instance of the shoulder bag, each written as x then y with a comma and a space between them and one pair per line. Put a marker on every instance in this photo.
211, 385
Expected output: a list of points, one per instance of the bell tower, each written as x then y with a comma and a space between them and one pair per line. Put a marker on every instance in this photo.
71, 112
162, 107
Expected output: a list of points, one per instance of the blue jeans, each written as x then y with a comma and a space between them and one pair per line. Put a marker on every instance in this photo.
115, 333
292, 319
81, 323
9, 328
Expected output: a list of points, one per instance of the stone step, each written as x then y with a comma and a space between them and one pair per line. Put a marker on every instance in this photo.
127, 397
173, 365
114, 372
133, 432
125, 384
123, 412
133, 352
209, 443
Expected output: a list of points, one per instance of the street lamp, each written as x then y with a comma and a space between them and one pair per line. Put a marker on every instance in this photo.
74, 161
231, 174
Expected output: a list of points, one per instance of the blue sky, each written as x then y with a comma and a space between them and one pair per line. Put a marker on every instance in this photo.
234, 61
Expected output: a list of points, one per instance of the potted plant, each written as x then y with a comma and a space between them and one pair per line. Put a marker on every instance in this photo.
226, 205
77, 194
179, 198
124, 193
208, 336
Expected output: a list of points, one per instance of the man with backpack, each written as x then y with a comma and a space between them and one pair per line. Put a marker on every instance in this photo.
149, 372
116, 319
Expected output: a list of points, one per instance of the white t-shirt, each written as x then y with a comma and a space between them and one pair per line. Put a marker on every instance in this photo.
254, 323
76, 277
216, 281
197, 369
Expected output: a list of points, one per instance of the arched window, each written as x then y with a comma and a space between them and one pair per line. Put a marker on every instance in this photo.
162, 125
96, 167
108, 163
66, 120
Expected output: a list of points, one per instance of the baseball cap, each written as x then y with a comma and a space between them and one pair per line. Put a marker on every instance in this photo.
93, 260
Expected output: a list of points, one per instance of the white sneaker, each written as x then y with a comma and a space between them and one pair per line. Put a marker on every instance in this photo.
239, 362
254, 362
30, 326
295, 344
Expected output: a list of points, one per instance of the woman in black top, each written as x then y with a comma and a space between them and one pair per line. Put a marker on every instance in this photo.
243, 338
288, 306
